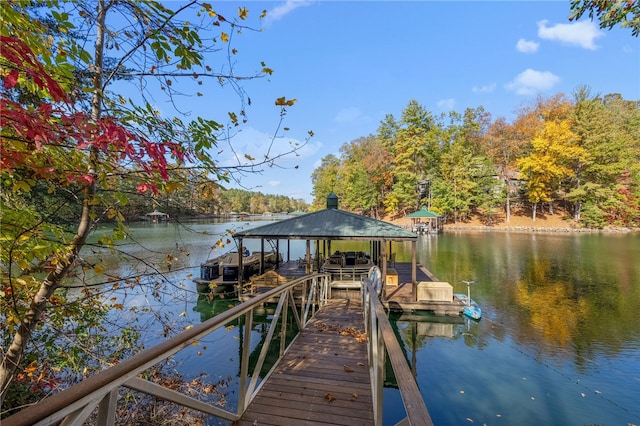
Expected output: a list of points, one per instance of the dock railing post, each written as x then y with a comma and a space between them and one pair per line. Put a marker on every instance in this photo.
243, 400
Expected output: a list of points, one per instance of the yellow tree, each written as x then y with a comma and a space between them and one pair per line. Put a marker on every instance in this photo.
554, 147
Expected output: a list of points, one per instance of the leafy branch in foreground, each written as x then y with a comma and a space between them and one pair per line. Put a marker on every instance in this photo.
72, 131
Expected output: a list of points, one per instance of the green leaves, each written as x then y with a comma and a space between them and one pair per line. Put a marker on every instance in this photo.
76, 150
626, 14
21, 185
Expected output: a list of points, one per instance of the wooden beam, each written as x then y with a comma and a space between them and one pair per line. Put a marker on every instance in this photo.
414, 282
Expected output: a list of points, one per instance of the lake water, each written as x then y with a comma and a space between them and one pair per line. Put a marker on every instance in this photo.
559, 341
558, 344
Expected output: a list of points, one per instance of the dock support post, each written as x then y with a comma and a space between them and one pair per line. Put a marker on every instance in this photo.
243, 397
383, 249
414, 283
240, 268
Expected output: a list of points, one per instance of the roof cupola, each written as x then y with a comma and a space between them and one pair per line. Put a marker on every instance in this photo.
332, 201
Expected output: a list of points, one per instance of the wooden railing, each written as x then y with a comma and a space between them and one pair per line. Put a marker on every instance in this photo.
382, 341
75, 405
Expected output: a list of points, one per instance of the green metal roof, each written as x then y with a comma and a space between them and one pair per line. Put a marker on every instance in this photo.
330, 224
423, 213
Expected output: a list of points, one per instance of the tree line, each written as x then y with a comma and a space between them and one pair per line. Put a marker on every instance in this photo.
188, 203
580, 153
191, 201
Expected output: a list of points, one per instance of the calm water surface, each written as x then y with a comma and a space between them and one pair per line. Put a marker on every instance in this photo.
558, 344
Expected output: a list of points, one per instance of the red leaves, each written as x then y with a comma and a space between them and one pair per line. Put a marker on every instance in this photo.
11, 79
17, 52
26, 132
146, 187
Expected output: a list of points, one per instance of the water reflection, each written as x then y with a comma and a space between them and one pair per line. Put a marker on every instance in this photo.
564, 291
559, 342
208, 307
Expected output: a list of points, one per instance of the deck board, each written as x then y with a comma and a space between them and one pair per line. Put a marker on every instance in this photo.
324, 377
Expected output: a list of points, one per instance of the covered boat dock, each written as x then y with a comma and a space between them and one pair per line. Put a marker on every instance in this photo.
424, 221
333, 224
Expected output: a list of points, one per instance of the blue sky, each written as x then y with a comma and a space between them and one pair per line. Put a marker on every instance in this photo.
349, 64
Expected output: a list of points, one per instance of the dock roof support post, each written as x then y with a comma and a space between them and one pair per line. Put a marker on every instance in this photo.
240, 266
383, 249
414, 284
325, 250
308, 258
261, 256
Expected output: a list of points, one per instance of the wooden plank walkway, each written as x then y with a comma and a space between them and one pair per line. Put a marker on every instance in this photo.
324, 377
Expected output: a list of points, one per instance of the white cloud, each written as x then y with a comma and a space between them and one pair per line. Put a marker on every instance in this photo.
282, 10
273, 183
583, 34
348, 115
446, 104
530, 82
487, 88
526, 46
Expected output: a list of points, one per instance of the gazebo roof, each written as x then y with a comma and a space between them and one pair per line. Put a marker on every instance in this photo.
330, 224
423, 213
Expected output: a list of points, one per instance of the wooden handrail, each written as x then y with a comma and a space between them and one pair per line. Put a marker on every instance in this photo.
381, 337
77, 402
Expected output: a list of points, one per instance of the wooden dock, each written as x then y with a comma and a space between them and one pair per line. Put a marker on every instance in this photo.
399, 298
324, 377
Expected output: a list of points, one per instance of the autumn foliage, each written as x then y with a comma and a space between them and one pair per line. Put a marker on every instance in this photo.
579, 154
54, 127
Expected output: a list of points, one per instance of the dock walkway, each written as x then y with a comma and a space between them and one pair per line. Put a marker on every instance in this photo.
324, 377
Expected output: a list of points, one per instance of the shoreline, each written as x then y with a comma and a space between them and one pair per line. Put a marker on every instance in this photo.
550, 229
549, 223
